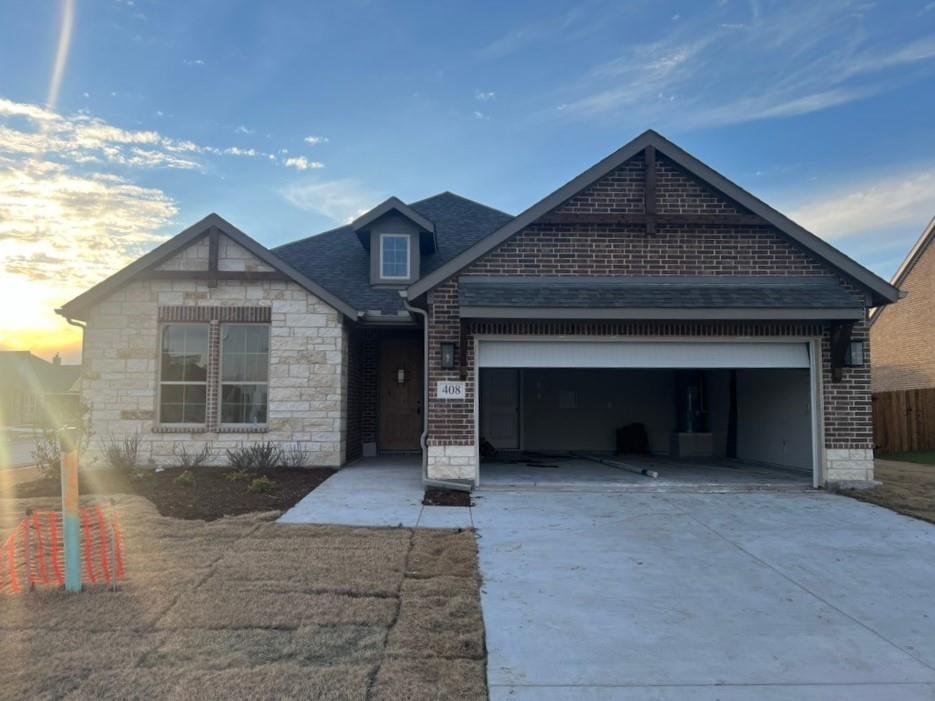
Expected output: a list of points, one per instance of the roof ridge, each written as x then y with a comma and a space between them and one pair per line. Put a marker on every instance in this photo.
466, 199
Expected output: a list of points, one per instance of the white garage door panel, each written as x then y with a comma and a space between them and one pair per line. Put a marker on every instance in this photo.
641, 354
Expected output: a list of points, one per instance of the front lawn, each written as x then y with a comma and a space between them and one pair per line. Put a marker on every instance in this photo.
908, 488
242, 607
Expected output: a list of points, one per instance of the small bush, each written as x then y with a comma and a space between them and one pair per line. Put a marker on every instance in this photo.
46, 448
295, 455
257, 456
186, 479
121, 453
261, 485
189, 459
266, 456
240, 458
238, 476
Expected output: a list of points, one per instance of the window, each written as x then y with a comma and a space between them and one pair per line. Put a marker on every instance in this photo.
183, 374
244, 373
394, 256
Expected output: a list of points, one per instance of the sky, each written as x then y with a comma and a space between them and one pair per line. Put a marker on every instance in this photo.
122, 122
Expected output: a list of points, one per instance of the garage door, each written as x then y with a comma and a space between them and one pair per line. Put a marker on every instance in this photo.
641, 354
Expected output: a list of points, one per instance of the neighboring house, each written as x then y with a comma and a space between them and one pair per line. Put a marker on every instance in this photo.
648, 290
903, 368
34, 391
903, 335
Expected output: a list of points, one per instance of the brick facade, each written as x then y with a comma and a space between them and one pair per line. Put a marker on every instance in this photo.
607, 250
308, 377
903, 336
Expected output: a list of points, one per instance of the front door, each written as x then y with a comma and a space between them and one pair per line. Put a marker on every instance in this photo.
499, 421
400, 382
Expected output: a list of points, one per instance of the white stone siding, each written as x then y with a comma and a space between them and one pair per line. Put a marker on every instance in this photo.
308, 363
848, 465
452, 462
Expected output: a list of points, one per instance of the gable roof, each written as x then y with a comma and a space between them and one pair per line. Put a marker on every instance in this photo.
427, 240
76, 307
335, 260
37, 373
883, 292
915, 254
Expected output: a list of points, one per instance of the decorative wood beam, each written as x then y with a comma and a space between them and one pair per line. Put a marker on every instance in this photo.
215, 275
642, 219
649, 190
213, 245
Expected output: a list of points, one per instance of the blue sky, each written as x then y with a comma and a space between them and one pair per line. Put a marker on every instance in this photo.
288, 118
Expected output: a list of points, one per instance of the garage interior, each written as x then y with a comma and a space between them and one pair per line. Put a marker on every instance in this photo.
712, 425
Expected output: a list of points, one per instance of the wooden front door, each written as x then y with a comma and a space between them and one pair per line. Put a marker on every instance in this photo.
400, 382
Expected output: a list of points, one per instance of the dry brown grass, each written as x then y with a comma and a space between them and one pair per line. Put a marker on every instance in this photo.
246, 608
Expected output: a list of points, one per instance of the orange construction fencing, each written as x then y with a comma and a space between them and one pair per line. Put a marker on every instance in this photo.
33, 555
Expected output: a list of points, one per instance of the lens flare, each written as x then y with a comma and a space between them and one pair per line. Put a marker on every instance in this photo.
61, 55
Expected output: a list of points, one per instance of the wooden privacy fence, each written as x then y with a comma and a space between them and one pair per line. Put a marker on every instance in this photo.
904, 421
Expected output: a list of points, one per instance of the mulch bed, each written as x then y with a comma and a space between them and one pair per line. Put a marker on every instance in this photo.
212, 496
446, 497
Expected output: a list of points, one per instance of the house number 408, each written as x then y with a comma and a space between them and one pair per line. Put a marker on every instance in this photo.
451, 390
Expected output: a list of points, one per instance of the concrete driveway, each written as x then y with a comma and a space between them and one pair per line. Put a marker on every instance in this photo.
763, 595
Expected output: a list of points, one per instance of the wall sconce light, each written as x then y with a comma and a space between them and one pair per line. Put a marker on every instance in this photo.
448, 356
401, 376
855, 354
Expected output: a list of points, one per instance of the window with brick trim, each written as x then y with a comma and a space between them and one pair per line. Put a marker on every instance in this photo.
183, 374
244, 371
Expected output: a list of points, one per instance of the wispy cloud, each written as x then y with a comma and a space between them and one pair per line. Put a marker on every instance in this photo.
339, 200
782, 60
483, 96
871, 205
302, 163
315, 140
242, 129
193, 62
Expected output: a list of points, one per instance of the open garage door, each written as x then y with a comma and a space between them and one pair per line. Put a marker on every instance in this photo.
706, 410
641, 354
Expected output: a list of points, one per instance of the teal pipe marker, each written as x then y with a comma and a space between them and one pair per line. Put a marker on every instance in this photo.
71, 518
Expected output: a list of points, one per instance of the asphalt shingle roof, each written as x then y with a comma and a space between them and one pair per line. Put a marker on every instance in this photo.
658, 293
336, 260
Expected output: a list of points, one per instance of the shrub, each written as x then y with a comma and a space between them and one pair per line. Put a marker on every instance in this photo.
257, 456
186, 479
266, 456
261, 485
240, 458
46, 448
192, 458
295, 455
238, 476
121, 453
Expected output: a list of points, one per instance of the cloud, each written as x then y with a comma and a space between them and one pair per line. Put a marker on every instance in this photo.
302, 163
872, 205
193, 62
315, 140
484, 96
480, 115
244, 130
782, 60
341, 201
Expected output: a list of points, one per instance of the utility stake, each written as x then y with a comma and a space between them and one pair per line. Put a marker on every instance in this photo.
113, 547
27, 527
71, 525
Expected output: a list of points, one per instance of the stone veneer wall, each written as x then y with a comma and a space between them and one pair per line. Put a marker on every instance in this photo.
605, 250
308, 401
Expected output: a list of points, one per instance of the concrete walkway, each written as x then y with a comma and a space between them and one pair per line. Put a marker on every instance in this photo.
599, 596
384, 491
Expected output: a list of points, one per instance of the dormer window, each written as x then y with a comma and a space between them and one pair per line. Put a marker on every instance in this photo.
394, 256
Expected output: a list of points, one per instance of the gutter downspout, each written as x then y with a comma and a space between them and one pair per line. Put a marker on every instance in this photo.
423, 439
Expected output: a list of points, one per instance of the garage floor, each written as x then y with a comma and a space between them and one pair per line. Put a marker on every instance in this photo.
674, 474
770, 595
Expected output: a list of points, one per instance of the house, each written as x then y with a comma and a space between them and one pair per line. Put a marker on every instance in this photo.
648, 292
903, 367
34, 391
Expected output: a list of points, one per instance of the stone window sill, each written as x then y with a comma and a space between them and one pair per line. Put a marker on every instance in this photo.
243, 428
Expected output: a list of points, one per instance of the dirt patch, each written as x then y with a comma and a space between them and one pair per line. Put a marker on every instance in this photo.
285, 623
446, 497
212, 493
908, 488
